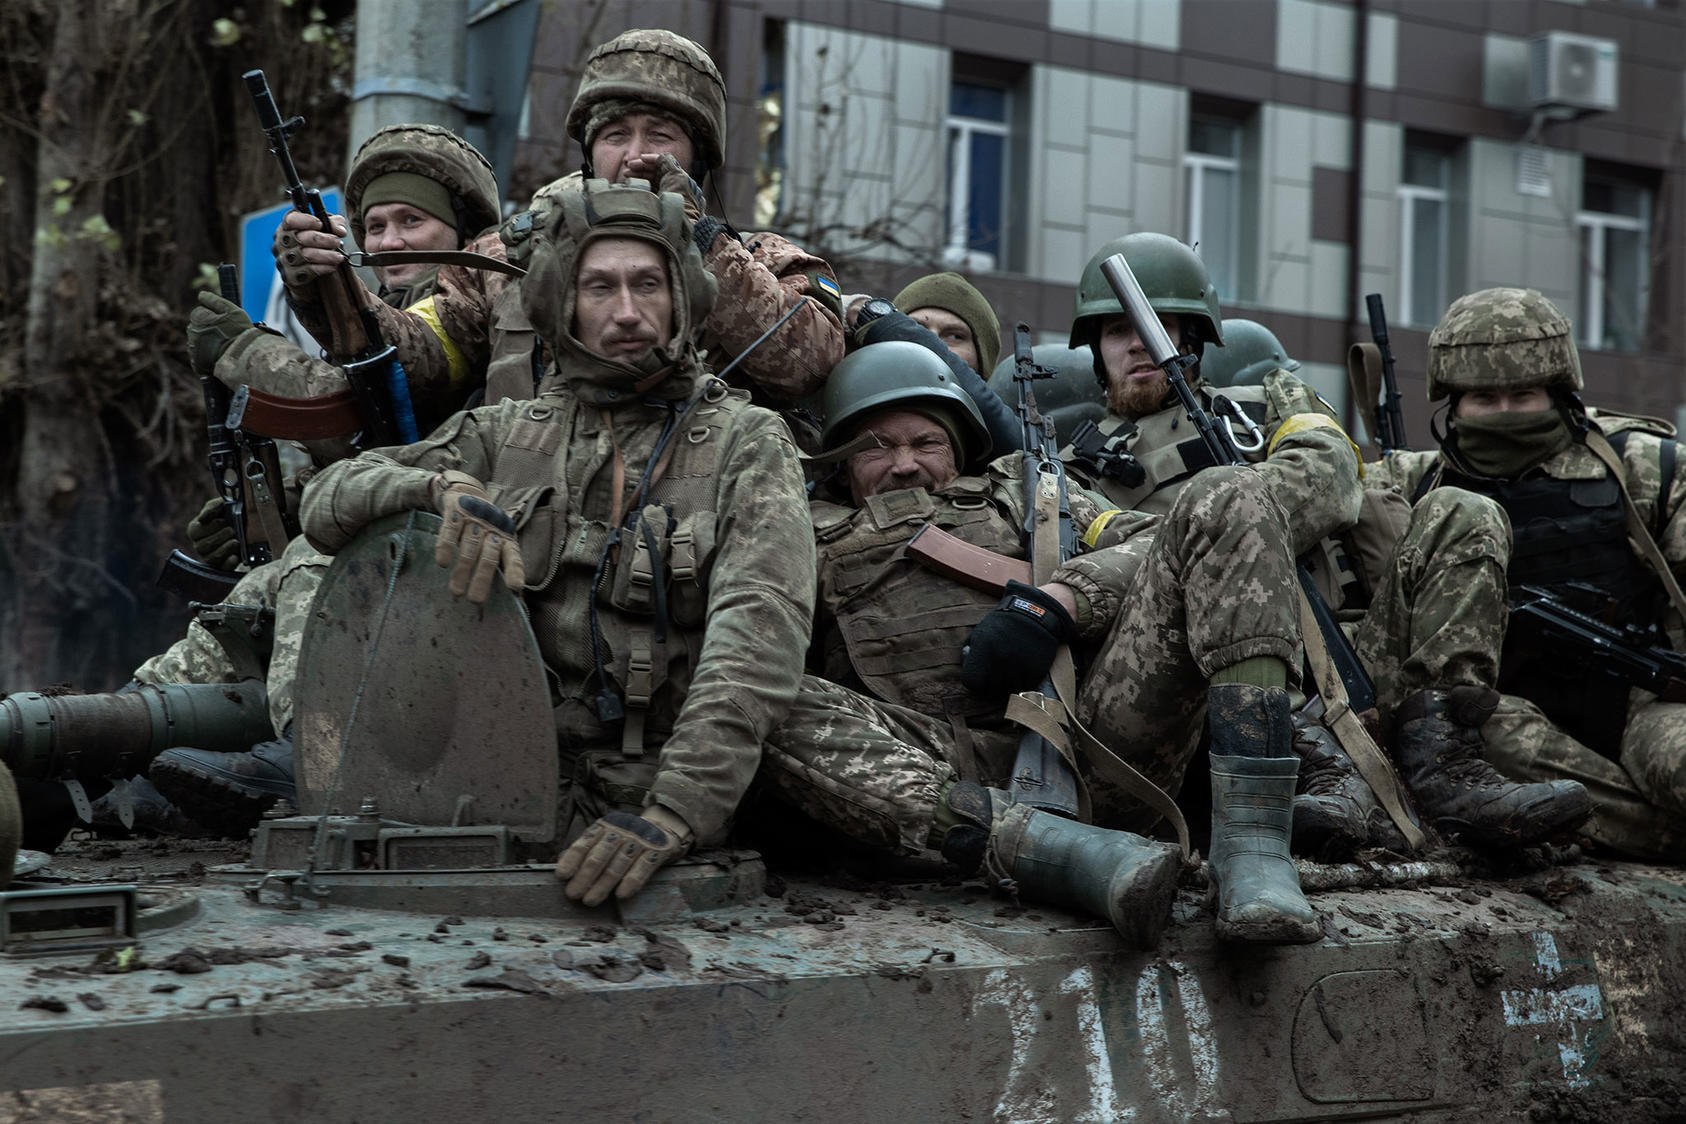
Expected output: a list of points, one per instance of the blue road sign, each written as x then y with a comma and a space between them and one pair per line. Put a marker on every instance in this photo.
257, 264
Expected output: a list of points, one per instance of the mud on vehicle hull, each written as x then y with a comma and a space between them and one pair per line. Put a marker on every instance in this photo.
1554, 996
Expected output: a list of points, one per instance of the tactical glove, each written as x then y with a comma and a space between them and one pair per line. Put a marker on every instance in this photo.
478, 538
1013, 647
211, 327
671, 177
620, 851
213, 538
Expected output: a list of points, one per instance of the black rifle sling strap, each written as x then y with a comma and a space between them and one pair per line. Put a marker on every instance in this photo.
1350, 731
1600, 448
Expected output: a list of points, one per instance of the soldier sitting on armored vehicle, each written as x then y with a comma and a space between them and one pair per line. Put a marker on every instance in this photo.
651, 105
1146, 454
1594, 501
1167, 639
417, 187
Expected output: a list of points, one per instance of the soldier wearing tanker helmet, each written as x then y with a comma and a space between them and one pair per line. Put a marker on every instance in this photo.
650, 107
411, 187
1594, 501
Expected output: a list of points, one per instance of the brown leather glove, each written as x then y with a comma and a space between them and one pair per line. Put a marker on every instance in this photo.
672, 177
478, 538
620, 852
212, 538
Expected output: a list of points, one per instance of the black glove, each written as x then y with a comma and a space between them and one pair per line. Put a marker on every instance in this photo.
1012, 648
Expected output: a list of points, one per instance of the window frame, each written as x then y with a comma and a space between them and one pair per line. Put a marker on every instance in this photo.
958, 130
1196, 165
1594, 228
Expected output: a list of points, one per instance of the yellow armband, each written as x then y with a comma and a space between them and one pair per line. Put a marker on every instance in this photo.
1299, 423
1093, 534
456, 362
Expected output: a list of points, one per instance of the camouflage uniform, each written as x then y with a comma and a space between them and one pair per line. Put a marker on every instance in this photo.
271, 363
473, 328
1513, 339
1163, 602
735, 544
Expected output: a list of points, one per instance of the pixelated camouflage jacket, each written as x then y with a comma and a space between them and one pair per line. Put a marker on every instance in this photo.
453, 339
1641, 445
1313, 467
740, 550
896, 627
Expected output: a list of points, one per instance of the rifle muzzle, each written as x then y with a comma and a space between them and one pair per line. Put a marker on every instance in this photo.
49, 737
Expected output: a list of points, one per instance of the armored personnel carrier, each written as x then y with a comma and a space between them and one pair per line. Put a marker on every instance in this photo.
398, 949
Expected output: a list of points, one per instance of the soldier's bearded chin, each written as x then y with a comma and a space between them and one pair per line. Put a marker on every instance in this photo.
1137, 398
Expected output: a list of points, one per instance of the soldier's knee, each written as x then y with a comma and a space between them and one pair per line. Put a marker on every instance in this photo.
1457, 524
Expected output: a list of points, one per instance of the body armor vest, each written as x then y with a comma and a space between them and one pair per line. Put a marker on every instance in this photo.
1166, 447
897, 627
652, 587
1571, 539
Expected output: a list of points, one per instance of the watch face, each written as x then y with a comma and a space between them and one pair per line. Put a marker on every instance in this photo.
878, 306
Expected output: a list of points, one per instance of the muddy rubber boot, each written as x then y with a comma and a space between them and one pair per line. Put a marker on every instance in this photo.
1118, 875
1437, 745
1254, 773
226, 792
1335, 812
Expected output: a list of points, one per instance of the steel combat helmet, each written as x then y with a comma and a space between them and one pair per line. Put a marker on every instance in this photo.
574, 220
1171, 274
665, 70
1501, 339
435, 154
909, 376
1250, 352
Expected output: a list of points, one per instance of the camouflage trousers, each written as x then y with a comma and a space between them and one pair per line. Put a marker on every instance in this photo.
1215, 585
872, 770
1639, 803
287, 585
1438, 615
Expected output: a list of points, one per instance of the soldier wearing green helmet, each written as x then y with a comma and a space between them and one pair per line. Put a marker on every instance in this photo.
1250, 352
650, 108
1593, 499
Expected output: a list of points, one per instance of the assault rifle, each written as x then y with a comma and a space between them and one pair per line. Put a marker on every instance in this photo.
371, 366
1620, 652
1220, 444
1390, 422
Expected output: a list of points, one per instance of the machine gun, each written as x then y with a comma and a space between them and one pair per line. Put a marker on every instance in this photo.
371, 366
1390, 422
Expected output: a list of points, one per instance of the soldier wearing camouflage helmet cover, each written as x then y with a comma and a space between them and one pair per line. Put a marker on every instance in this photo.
651, 106
1516, 432
919, 665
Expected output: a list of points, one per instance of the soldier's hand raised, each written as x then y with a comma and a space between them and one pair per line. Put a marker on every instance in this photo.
304, 251
477, 540
620, 852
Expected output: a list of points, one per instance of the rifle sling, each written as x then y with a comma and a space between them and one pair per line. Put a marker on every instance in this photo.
1600, 448
295, 419
1349, 730
1364, 377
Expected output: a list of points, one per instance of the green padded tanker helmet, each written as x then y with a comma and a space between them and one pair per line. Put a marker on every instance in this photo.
1171, 274
656, 67
436, 154
1501, 339
899, 373
1250, 352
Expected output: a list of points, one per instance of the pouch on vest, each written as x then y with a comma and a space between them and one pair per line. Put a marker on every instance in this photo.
690, 555
641, 568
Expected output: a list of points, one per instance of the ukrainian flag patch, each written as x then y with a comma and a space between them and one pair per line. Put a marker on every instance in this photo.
823, 282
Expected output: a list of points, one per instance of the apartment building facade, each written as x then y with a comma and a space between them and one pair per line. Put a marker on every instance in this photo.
1312, 150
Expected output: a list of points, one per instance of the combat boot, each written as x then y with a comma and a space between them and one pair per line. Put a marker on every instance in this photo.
1437, 745
1335, 811
226, 792
1118, 875
1254, 772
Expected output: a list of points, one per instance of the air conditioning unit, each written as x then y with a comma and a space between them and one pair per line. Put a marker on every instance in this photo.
1572, 75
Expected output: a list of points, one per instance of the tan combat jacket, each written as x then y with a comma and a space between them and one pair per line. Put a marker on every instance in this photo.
739, 559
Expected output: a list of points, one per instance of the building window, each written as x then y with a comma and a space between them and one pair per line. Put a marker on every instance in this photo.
769, 128
1615, 225
1212, 167
978, 131
1424, 203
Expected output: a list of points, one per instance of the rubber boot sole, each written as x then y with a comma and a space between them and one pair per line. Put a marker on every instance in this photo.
208, 799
